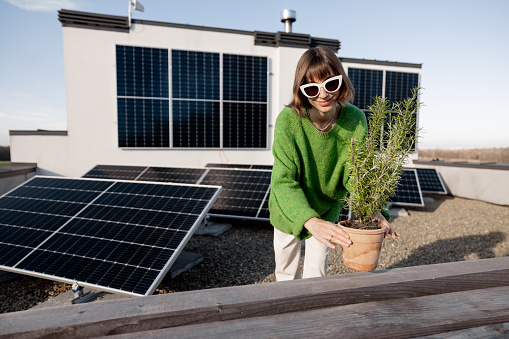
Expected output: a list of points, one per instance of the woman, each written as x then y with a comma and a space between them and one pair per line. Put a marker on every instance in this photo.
309, 177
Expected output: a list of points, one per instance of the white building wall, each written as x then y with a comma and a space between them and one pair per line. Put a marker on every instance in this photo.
91, 99
475, 182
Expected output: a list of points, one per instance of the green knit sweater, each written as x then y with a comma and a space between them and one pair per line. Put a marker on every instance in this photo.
310, 177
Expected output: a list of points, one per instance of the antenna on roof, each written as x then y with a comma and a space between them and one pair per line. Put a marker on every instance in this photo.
137, 6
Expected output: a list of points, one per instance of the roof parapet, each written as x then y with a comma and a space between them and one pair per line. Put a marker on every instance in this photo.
86, 20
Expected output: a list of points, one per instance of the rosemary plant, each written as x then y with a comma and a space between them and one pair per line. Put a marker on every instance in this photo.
377, 161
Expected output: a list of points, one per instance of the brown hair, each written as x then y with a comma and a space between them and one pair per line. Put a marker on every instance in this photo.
318, 63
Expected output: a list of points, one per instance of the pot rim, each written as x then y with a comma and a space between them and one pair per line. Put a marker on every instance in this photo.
356, 230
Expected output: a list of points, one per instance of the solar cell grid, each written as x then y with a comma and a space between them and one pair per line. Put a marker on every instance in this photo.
166, 174
115, 172
122, 236
430, 181
243, 192
245, 166
367, 83
408, 192
142, 97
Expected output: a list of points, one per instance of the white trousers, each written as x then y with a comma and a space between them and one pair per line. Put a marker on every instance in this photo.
287, 255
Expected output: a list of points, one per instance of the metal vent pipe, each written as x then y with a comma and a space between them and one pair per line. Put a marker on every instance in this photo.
288, 16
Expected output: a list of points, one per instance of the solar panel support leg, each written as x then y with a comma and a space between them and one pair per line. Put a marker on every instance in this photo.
208, 227
79, 296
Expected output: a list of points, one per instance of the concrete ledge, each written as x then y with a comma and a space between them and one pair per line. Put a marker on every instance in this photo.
37, 132
14, 175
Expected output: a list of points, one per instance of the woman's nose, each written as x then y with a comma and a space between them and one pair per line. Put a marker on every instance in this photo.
323, 93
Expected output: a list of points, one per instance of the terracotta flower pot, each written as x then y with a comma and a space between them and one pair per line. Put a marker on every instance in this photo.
363, 253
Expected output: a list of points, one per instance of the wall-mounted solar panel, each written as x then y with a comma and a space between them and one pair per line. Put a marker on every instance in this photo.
367, 83
142, 97
244, 192
112, 235
430, 181
245, 101
408, 192
399, 85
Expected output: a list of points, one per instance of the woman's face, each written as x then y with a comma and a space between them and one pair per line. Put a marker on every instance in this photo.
324, 103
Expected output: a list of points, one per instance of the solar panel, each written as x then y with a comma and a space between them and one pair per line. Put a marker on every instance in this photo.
343, 214
112, 235
115, 172
263, 213
246, 166
244, 192
196, 99
367, 83
408, 192
430, 181
399, 85
229, 166
245, 101
172, 174
142, 97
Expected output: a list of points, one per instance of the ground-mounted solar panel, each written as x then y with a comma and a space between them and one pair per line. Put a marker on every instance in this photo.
215, 165
112, 235
263, 212
263, 167
245, 166
343, 214
244, 192
430, 181
115, 172
172, 174
408, 192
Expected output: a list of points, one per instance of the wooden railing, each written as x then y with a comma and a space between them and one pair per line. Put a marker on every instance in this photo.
469, 296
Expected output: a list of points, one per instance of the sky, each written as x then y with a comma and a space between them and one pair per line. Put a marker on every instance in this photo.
462, 46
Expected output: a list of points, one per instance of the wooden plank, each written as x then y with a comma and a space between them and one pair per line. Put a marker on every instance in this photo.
178, 309
402, 318
483, 332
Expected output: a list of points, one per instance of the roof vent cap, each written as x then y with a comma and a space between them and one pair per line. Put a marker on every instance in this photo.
288, 16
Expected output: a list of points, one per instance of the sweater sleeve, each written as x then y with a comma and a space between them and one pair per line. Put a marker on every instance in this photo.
289, 207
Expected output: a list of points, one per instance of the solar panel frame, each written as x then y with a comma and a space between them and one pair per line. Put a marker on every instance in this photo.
61, 258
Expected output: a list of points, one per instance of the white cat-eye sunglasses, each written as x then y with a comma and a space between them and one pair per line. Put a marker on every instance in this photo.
331, 85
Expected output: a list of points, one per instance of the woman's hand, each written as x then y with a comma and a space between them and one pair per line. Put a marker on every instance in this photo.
327, 233
388, 231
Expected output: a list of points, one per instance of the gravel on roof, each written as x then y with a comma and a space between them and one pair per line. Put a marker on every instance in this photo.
445, 230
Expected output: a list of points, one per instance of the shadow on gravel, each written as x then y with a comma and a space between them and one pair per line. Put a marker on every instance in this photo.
456, 249
431, 206
243, 255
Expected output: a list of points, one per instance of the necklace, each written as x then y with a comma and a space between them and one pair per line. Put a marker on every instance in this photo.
330, 122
